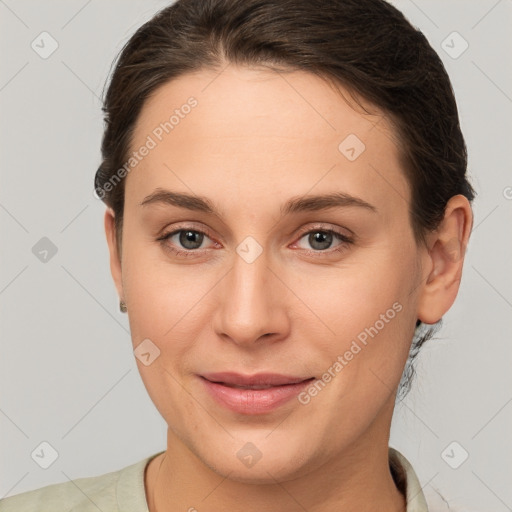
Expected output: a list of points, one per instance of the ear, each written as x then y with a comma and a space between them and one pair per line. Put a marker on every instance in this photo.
446, 249
115, 257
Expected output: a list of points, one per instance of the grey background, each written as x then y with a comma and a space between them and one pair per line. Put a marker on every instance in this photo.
68, 375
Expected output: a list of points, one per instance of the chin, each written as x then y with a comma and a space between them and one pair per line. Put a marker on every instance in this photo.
259, 459
264, 472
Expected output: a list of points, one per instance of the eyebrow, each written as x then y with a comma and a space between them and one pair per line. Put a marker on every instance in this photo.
294, 205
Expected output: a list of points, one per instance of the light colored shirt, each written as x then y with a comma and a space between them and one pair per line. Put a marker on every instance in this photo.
124, 491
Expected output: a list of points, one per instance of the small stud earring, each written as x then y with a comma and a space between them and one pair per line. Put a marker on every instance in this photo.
122, 307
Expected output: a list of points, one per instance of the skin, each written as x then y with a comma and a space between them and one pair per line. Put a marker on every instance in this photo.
256, 139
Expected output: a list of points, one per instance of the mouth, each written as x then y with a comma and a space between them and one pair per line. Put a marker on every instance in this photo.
249, 387
258, 381
253, 394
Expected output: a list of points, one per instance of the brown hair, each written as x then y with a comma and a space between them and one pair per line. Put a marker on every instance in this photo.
366, 46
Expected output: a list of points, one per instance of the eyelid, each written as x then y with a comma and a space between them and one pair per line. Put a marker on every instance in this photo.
191, 226
184, 226
325, 227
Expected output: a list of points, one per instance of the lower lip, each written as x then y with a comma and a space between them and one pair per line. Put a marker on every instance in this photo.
253, 401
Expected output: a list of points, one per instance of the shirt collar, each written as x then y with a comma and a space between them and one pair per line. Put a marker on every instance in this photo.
407, 482
132, 497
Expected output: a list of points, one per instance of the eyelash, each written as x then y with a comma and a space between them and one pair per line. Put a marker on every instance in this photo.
346, 241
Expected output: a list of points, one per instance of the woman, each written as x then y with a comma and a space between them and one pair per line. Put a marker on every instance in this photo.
287, 213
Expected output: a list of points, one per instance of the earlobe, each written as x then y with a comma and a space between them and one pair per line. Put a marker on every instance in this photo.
115, 260
446, 248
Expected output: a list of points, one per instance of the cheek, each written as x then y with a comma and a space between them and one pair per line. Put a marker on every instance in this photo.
162, 295
359, 366
365, 313
167, 307
346, 300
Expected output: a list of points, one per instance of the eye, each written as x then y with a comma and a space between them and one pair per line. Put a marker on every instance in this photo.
188, 242
189, 239
185, 241
320, 240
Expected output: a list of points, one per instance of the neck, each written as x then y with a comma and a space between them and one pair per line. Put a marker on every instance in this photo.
357, 479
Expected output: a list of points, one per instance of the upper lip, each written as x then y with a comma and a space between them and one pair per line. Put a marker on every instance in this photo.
257, 380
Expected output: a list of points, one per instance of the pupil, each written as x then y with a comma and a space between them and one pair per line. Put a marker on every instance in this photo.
320, 240
191, 239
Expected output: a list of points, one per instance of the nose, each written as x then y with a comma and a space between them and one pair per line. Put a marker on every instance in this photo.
251, 309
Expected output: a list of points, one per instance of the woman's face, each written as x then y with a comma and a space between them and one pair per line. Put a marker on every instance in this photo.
286, 249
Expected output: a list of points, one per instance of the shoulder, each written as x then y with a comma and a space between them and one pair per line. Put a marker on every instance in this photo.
407, 482
419, 498
90, 493
107, 492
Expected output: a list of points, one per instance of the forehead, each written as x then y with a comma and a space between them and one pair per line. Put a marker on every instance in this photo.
251, 129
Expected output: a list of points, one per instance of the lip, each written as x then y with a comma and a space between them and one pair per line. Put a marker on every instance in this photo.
253, 394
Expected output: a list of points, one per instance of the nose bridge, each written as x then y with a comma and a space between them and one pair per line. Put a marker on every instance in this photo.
250, 305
